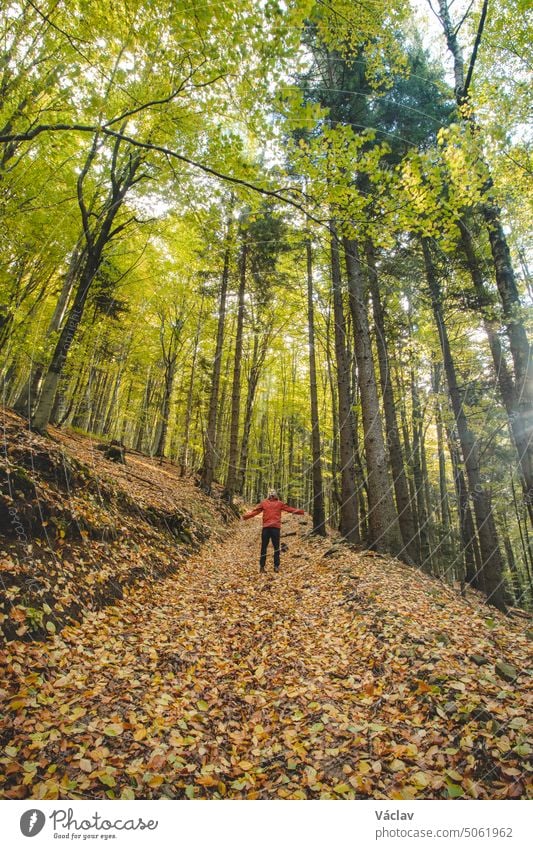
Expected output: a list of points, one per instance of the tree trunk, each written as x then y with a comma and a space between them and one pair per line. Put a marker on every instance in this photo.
447, 543
520, 418
418, 478
258, 357
43, 410
209, 462
335, 495
184, 452
233, 456
124, 424
319, 515
401, 489
382, 517
29, 392
145, 405
471, 571
490, 553
349, 526
165, 408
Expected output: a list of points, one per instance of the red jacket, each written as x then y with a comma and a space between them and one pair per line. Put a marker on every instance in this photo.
272, 510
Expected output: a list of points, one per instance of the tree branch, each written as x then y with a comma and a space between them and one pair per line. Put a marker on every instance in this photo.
160, 102
473, 57
463, 19
105, 130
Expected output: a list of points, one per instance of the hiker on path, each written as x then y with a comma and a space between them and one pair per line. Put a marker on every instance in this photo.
271, 508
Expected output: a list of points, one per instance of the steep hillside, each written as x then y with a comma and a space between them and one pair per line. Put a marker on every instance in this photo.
76, 529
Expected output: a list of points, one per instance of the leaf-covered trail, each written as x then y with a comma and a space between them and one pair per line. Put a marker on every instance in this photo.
344, 675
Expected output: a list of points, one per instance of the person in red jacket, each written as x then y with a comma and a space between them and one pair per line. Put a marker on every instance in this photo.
271, 508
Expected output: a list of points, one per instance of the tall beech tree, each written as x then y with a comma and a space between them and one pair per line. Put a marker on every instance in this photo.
318, 510
520, 408
491, 562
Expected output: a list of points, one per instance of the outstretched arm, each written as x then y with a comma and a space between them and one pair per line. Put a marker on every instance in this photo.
255, 512
288, 509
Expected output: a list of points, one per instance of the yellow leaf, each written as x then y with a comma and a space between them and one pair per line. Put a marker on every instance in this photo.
420, 779
260, 671
77, 713
127, 793
114, 729
156, 780
139, 734
404, 793
202, 705
299, 794
342, 788
207, 780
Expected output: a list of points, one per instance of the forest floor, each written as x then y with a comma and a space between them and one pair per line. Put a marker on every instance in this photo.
347, 675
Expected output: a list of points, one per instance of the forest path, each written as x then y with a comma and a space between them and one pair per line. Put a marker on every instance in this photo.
321, 681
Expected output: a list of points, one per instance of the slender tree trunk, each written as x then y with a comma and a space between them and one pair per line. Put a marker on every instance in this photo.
490, 552
407, 450
74, 399
258, 357
233, 457
527, 549
184, 453
98, 403
260, 453
382, 517
29, 392
335, 495
124, 425
165, 408
471, 571
66, 290
418, 477
145, 406
224, 409
319, 515
520, 419
209, 462
401, 489
112, 406
349, 526
446, 543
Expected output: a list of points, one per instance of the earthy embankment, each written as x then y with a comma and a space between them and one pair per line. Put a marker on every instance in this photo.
77, 529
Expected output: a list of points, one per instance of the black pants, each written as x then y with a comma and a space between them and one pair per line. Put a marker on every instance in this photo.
267, 535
